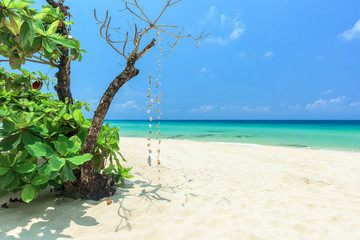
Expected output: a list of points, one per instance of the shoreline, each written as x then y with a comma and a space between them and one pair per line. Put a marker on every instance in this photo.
247, 144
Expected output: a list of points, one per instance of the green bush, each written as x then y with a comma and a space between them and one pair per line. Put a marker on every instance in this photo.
42, 138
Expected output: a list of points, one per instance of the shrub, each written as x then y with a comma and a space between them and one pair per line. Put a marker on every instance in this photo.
42, 138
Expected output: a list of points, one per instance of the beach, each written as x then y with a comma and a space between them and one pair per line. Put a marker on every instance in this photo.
206, 190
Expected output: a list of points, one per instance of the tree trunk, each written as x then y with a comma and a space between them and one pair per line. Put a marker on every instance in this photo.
92, 185
63, 75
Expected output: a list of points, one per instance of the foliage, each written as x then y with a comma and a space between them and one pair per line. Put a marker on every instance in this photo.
43, 137
29, 35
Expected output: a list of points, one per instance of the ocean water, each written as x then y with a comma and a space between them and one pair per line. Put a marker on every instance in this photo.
336, 135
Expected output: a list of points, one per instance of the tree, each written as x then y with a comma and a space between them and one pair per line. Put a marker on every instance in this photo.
129, 72
42, 37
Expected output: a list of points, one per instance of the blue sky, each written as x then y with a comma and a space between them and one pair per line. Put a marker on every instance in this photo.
282, 59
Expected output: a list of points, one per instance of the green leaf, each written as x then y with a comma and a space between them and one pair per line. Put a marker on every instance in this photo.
15, 61
5, 3
47, 45
6, 179
10, 26
77, 144
24, 32
67, 173
78, 160
56, 163
45, 169
127, 175
28, 193
3, 133
64, 42
10, 142
8, 85
40, 150
62, 111
21, 156
109, 169
39, 130
61, 147
36, 43
52, 28
39, 180
8, 125
18, 4
6, 160
31, 33
3, 170
26, 167
78, 116
40, 16
16, 183
29, 138
14, 23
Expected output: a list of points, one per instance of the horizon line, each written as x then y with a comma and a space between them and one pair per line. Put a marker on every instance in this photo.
233, 120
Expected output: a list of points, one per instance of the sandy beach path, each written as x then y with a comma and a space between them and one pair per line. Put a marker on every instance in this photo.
208, 191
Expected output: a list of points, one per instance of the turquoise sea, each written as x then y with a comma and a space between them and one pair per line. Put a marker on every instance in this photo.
336, 135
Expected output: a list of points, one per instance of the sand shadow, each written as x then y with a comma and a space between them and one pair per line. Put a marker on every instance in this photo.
41, 219
149, 193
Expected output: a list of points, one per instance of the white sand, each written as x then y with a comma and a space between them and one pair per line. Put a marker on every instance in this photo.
208, 191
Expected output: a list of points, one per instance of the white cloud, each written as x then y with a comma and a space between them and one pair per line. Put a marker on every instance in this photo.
329, 91
210, 15
263, 109
88, 89
352, 33
212, 12
203, 69
245, 108
294, 107
317, 104
237, 31
268, 54
204, 109
128, 105
218, 40
223, 21
256, 109
290, 107
338, 100
326, 103
354, 104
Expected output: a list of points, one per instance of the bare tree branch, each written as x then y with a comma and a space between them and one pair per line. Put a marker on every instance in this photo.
146, 49
30, 60
132, 12
134, 8
168, 4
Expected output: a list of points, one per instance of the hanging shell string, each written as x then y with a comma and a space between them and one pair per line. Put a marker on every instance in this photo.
150, 118
158, 99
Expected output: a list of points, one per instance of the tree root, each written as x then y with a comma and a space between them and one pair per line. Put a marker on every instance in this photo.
101, 187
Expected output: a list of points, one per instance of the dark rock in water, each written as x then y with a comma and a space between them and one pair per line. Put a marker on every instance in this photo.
203, 135
243, 136
176, 136
215, 131
296, 145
